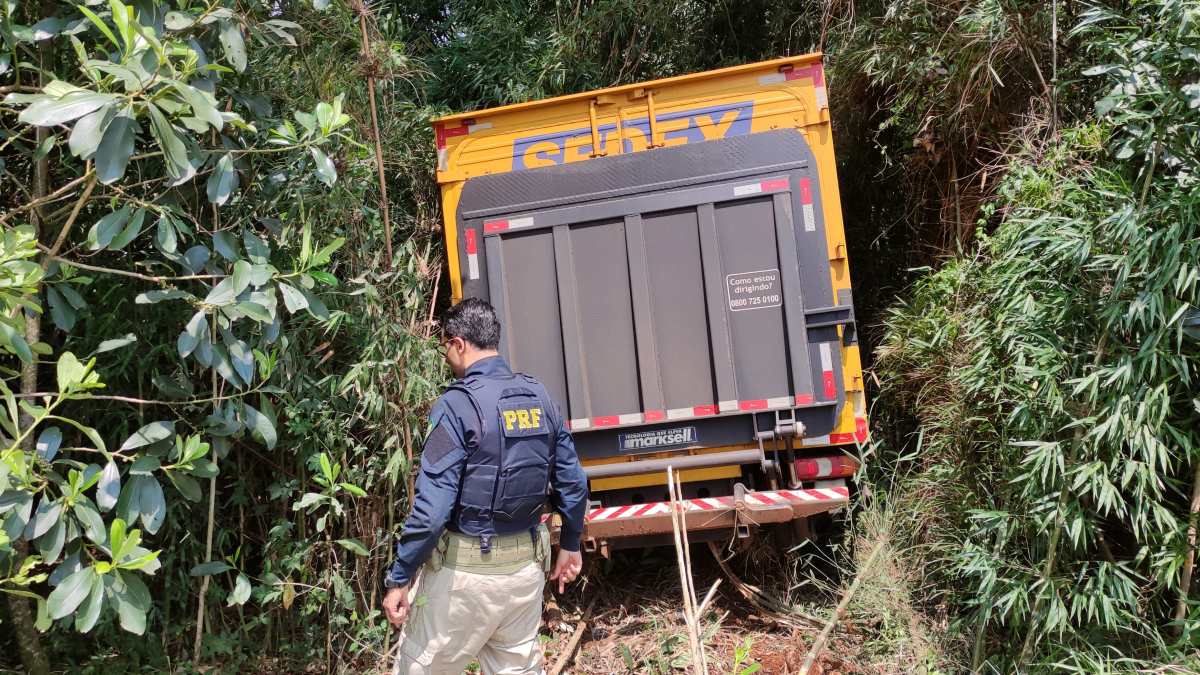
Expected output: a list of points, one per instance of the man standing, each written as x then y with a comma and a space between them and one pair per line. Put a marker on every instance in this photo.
496, 443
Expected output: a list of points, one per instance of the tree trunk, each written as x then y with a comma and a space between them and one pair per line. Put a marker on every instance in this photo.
29, 643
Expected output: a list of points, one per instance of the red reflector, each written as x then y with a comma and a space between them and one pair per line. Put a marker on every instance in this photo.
470, 243
495, 226
776, 184
839, 439
757, 404
456, 131
830, 386
702, 410
607, 421
804, 399
837, 466
805, 191
860, 429
654, 415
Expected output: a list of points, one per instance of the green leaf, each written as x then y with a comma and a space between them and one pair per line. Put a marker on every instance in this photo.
241, 591
233, 44
15, 342
193, 333
178, 20
151, 433
242, 359
72, 296
324, 277
353, 489
261, 426
44, 517
69, 371
315, 306
293, 299
355, 546
99, 23
187, 486
131, 610
116, 147
144, 465
70, 593
255, 311
116, 343
210, 568
50, 545
48, 443
230, 287
89, 517
131, 231
223, 181
165, 236
322, 257
121, 18
87, 133
61, 311
159, 295
256, 248
175, 152
326, 171
49, 112
151, 503
86, 618
109, 488
226, 245
107, 228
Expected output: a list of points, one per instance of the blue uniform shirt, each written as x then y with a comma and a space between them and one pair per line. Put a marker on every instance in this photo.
438, 485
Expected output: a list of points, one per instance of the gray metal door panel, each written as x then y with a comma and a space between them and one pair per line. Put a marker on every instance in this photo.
749, 255
532, 336
675, 291
605, 318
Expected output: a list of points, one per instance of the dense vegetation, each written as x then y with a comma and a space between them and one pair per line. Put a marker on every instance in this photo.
216, 325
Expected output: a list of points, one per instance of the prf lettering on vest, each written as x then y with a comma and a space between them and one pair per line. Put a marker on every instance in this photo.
675, 128
523, 419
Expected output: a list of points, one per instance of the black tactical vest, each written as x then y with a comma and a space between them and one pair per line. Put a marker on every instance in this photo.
507, 476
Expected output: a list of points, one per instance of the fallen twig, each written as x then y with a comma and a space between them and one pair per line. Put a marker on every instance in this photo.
819, 644
569, 651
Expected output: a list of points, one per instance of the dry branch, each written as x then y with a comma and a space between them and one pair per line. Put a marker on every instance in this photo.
819, 644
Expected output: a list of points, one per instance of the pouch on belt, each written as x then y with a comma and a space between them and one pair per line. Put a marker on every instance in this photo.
507, 554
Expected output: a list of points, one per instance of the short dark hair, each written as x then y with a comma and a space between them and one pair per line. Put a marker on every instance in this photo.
473, 320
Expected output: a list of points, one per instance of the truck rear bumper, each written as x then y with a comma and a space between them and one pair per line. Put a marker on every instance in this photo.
750, 509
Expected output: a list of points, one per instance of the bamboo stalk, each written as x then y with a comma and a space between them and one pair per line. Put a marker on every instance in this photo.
819, 644
1185, 582
677, 524
361, 7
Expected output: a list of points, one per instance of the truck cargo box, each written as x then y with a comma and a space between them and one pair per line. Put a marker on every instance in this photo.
668, 258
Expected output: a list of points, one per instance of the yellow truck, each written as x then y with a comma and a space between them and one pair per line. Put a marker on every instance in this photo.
668, 258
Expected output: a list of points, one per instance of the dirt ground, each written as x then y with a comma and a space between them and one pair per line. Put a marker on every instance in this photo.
637, 626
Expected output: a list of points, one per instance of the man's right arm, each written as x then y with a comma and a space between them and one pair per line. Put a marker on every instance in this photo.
443, 459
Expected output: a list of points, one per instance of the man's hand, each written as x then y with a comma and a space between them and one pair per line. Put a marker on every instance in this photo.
395, 605
566, 568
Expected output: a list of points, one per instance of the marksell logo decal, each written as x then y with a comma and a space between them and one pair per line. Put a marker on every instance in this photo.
659, 438
677, 128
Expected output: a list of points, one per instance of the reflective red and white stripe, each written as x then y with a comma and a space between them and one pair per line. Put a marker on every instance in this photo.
827, 379
472, 254
787, 73
806, 205
691, 412
762, 186
444, 133
752, 499
860, 435
507, 224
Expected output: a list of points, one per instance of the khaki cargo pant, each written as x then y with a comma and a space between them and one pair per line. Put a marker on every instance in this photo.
468, 606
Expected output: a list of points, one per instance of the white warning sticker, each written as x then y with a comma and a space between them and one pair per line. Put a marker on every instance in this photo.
753, 290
